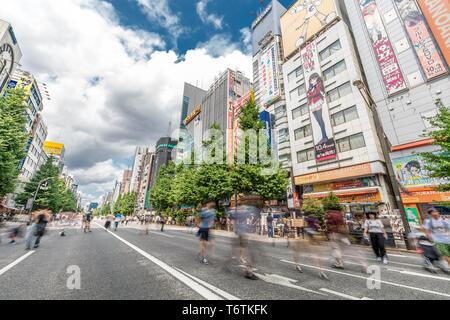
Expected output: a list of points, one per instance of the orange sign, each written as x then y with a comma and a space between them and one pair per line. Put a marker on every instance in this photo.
437, 14
425, 196
351, 197
341, 173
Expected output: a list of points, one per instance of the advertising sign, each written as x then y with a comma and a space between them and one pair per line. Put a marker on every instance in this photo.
229, 132
341, 185
261, 16
421, 39
387, 62
413, 217
341, 173
318, 107
410, 172
27, 148
304, 19
195, 113
53, 148
269, 75
268, 120
437, 14
25, 83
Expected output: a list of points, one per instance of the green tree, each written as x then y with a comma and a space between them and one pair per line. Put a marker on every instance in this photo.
13, 137
160, 193
313, 206
106, 209
438, 164
128, 203
331, 202
50, 196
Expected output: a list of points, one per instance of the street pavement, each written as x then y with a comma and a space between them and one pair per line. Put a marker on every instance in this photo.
130, 265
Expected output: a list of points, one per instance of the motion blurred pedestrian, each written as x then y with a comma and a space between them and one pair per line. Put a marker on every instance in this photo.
40, 219
117, 220
207, 217
439, 230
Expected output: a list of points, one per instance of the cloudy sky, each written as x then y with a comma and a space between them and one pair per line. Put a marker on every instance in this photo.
115, 70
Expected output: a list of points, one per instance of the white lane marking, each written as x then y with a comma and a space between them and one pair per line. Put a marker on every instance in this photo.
17, 261
343, 295
419, 274
210, 286
204, 292
150, 231
381, 281
275, 279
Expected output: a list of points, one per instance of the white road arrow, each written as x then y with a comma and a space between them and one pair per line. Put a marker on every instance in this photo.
283, 281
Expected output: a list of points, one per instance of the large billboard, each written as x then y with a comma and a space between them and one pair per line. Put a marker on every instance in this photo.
318, 106
421, 39
53, 148
269, 75
437, 13
27, 149
304, 19
229, 133
410, 172
387, 62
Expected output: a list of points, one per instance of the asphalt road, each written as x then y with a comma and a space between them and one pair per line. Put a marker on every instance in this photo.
129, 265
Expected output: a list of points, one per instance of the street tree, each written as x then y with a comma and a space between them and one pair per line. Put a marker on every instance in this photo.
438, 163
13, 137
331, 202
313, 206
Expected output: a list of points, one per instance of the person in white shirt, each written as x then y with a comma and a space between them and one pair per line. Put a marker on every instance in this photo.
378, 236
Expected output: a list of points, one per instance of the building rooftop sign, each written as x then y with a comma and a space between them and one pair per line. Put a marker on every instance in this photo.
191, 117
261, 16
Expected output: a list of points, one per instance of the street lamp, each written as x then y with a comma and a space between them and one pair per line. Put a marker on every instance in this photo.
385, 150
37, 190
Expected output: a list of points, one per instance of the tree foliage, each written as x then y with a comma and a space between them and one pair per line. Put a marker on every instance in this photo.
438, 164
13, 137
331, 202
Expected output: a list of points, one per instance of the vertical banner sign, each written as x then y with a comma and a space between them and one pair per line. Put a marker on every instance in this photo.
269, 75
437, 14
237, 131
421, 39
390, 70
230, 119
27, 148
318, 107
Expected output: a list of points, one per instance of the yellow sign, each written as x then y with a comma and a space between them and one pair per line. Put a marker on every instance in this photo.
335, 174
191, 117
25, 83
53, 148
304, 19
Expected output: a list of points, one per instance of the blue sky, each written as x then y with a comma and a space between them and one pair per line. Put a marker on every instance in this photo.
235, 15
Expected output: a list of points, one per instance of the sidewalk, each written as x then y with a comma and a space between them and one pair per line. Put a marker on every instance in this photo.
256, 237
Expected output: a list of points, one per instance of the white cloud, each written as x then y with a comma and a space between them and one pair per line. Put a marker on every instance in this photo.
208, 18
158, 11
112, 88
246, 39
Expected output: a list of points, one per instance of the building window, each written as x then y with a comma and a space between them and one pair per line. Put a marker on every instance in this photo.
334, 70
306, 155
331, 49
295, 74
300, 111
339, 92
353, 142
286, 157
344, 116
280, 112
303, 132
300, 90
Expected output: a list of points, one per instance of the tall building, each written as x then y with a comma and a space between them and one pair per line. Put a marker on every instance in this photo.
10, 54
334, 141
405, 54
268, 84
135, 172
190, 121
144, 185
126, 179
34, 155
165, 152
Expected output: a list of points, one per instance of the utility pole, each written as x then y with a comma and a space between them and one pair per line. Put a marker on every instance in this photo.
37, 190
385, 150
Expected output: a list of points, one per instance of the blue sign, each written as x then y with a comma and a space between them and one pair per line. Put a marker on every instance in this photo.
27, 148
269, 121
12, 84
13, 36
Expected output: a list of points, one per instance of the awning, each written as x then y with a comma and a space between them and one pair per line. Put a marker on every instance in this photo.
341, 193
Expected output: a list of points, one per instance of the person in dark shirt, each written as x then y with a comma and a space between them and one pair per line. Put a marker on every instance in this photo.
270, 225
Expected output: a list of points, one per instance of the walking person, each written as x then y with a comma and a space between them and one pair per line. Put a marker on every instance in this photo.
109, 220
37, 230
270, 225
314, 248
378, 236
439, 230
117, 220
87, 222
207, 217
162, 220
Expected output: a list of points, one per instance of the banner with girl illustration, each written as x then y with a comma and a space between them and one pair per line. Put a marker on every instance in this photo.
317, 103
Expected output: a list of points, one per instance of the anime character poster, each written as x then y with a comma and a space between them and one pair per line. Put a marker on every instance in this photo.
387, 62
410, 172
421, 39
303, 20
318, 107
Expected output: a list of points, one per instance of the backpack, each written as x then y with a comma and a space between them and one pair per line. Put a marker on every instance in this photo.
40, 230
